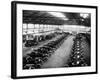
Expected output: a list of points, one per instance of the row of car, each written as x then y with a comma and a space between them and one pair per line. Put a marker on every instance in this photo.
36, 58
77, 57
37, 39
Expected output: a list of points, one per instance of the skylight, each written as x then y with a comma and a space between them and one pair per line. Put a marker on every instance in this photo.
59, 15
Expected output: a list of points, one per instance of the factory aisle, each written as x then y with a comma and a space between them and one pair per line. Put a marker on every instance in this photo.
61, 55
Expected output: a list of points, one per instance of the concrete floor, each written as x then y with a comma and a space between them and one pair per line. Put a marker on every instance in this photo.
61, 55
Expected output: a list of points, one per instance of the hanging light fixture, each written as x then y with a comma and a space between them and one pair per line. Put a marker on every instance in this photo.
84, 15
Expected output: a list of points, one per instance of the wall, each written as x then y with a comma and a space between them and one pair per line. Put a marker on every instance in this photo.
5, 39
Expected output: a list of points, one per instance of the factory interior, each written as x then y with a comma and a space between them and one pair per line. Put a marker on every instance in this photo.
56, 39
